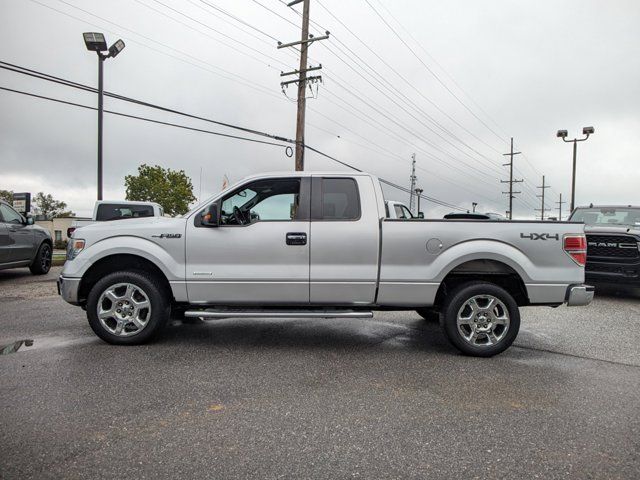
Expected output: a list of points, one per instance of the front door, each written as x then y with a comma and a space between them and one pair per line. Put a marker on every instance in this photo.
20, 235
259, 253
4, 243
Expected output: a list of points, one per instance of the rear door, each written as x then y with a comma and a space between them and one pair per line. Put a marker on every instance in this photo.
344, 240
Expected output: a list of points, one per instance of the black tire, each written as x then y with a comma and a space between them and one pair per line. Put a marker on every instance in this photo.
158, 298
42, 262
429, 314
455, 302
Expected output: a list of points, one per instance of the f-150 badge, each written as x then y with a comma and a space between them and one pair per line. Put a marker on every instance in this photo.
168, 235
540, 236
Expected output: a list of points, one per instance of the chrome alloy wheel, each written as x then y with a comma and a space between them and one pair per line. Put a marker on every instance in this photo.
483, 320
124, 309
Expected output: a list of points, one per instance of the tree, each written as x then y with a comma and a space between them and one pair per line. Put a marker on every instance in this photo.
7, 196
49, 207
170, 188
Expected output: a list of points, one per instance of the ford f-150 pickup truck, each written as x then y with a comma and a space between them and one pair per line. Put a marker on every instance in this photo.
316, 245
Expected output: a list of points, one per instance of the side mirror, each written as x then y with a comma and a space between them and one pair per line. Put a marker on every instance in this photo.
420, 214
210, 216
29, 219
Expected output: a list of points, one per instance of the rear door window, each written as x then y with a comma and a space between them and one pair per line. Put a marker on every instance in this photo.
340, 199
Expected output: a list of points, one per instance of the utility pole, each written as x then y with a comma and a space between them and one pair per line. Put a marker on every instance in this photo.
560, 208
511, 181
303, 79
474, 205
412, 179
543, 187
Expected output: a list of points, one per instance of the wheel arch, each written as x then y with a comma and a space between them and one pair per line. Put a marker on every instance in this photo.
484, 270
121, 262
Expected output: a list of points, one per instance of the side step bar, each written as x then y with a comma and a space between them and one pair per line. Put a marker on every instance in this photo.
248, 313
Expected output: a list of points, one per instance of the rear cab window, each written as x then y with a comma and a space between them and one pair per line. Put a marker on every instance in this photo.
115, 211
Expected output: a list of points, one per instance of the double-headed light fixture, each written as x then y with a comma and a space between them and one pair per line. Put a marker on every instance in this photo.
95, 42
586, 131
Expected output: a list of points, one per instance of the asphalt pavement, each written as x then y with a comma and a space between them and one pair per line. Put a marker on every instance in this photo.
267, 399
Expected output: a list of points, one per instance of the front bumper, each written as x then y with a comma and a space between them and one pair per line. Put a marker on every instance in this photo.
68, 289
579, 295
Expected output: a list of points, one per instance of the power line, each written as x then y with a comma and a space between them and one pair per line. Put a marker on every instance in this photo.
397, 73
77, 85
432, 72
226, 74
453, 80
137, 117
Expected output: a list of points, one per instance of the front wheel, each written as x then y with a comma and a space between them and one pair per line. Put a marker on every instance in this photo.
481, 319
42, 262
127, 308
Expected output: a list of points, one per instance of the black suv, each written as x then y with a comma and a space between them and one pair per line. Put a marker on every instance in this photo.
613, 242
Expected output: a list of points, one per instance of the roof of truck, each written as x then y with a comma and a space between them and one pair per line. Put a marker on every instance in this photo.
607, 206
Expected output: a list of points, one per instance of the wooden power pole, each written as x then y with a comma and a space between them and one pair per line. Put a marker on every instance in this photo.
560, 203
303, 79
511, 181
542, 208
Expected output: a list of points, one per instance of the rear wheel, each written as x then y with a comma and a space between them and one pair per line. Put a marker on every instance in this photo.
42, 262
127, 308
481, 319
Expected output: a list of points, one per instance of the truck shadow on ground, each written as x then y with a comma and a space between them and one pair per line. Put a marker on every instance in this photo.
301, 333
617, 291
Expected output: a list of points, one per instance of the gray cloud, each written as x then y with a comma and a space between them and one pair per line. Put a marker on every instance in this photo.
533, 67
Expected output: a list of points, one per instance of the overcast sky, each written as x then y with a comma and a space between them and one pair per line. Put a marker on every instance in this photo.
482, 72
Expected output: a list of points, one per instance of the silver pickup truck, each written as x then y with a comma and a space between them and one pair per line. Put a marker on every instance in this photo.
316, 245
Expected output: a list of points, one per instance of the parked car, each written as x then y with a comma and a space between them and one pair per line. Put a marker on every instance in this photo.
399, 210
23, 244
107, 210
613, 242
314, 245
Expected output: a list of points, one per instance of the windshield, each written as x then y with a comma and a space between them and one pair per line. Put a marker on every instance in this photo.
607, 216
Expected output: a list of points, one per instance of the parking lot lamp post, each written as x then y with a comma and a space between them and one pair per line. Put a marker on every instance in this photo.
418, 193
95, 42
586, 131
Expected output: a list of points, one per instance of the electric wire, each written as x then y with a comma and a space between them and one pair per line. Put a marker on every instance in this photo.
3, 65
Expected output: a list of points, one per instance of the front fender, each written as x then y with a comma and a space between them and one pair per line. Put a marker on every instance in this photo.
171, 264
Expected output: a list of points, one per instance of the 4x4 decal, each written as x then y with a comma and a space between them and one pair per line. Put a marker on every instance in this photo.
541, 236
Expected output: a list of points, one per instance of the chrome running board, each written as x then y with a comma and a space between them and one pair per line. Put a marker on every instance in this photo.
212, 313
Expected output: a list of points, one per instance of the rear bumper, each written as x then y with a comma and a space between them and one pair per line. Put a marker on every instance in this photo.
68, 289
579, 295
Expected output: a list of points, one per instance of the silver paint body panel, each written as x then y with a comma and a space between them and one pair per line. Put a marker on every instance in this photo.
368, 261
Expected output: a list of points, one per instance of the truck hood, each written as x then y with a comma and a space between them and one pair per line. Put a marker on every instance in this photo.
612, 229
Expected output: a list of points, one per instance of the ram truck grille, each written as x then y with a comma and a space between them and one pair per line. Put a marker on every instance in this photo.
614, 246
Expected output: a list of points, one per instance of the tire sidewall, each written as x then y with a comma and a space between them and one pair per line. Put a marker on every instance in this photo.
160, 306
36, 266
462, 294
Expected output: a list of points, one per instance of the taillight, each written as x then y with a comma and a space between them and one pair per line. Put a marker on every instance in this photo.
576, 247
